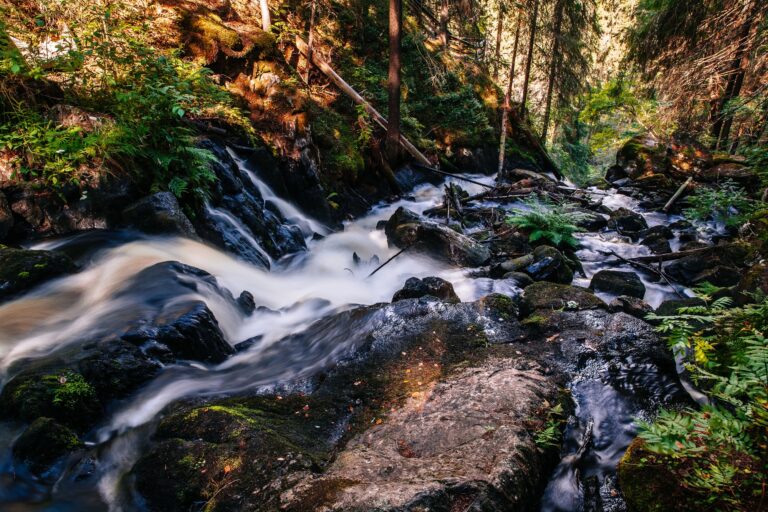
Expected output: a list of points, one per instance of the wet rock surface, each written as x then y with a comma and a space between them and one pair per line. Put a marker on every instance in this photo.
434, 286
22, 270
618, 282
159, 213
406, 229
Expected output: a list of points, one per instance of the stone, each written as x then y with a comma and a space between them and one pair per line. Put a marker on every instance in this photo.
657, 243
522, 280
43, 442
631, 306
627, 222
591, 221
159, 213
430, 447
754, 280
740, 174
544, 295
407, 229
659, 230
670, 307
433, 286
549, 264
21, 270
616, 173
618, 282
718, 264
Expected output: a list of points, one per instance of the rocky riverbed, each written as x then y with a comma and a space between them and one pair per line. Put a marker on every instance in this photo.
251, 357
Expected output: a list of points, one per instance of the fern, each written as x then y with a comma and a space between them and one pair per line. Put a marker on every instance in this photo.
546, 222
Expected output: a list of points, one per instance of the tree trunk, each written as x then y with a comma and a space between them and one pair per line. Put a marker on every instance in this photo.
444, 14
722, 122
507, 101
393, 81
266, 21
529, 60
499, 26
310, 40
554, 61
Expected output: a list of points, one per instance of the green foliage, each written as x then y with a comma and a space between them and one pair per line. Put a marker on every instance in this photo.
550, 436
727, 203
144, 100
718, 451
547, 222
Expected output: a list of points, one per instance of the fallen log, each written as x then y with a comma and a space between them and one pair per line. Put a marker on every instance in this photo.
318, 61
677, 195
670, 256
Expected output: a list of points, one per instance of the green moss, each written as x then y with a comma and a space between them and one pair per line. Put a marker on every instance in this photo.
43, 442
65, 396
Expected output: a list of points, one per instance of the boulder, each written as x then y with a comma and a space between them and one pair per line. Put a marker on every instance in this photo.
159, 213
660, 231
631, 306
21, 270
522, 280
432, 454
547, 296
618, 282
616, 173
424, 388
6, 217
733, 171
754, 280
549, 264
43, 442
433, 286
627, 222
589, 220
657, 243
670, 307
407, 229
718, 265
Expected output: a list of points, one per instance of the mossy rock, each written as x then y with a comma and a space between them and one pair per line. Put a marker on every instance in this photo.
21, 270
209, 35
43, 442
64, 396
647, 484
544, 295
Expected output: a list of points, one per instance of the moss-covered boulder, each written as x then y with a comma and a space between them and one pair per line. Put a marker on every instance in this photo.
415, 288
548, 296
246, 453
64, 396
21, 270
648, 485
43, 442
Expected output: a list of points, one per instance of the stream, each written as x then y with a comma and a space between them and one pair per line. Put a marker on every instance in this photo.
120, 286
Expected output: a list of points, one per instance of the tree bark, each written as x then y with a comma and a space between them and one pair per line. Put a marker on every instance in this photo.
393, 80
507, 101
499, 27
721, 127
444, 16
554, 61
266, 21
310, 40
529, 60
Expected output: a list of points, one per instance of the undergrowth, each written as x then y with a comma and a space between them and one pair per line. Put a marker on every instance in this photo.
718, 452
547, 222
134, 108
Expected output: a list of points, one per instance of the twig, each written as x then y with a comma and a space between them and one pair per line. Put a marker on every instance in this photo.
443, 173
398, 253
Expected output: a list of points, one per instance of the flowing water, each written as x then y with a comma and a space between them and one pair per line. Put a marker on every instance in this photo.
116, 291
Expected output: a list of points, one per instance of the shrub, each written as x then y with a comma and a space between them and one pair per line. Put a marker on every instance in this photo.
546, 222
147, 102
718, 451
727, 203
